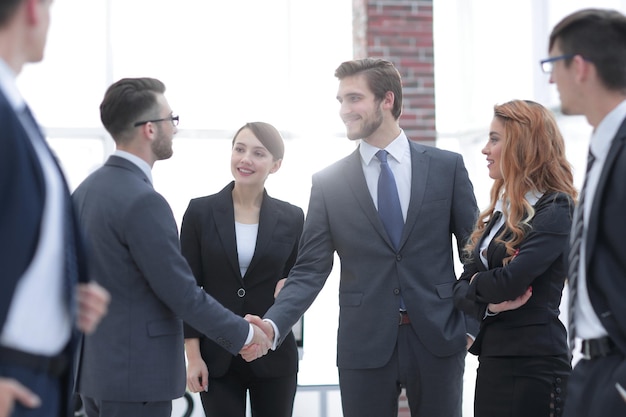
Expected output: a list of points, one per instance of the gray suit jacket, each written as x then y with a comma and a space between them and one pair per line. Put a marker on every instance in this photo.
342, 218
137, 354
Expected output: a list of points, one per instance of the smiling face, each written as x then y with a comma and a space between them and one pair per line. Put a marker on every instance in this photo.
360, 111
251, 162
493, 149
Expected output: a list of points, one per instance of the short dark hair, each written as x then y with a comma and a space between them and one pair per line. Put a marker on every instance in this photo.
381, 77
268, 135
7, 10
599, 36
128, 100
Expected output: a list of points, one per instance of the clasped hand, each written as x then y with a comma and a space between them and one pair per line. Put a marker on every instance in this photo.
261, 341
512, 304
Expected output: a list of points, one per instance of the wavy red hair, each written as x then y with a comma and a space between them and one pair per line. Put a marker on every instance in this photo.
533, 159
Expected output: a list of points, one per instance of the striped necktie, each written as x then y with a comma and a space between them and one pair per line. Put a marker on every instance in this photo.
576, 238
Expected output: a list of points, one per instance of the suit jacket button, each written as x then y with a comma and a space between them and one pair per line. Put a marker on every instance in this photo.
396, 291
398, 257
241, 292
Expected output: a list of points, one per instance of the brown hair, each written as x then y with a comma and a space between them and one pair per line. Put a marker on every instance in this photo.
8, 8
533, 158
268, 135
126, 101
381, 77
599, 36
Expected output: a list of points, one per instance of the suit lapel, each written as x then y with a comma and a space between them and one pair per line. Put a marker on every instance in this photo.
491, 248
614, 151
224, 217
356, 181
419, 174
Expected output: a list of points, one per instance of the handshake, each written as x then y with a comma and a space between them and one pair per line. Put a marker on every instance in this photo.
262, 340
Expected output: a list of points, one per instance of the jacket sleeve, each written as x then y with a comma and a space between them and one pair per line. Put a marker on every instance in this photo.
541, 247
190, 248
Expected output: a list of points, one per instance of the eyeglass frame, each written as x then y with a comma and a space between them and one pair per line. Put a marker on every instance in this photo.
174, 118
552, 60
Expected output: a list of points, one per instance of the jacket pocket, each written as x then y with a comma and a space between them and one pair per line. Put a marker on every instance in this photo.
164, 327
445, 290
350, 299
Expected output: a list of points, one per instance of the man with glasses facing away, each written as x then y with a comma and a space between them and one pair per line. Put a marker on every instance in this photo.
588, 65
41, 255
134, 365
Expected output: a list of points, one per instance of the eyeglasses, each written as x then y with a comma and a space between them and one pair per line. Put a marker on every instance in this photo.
547, 65
173, 118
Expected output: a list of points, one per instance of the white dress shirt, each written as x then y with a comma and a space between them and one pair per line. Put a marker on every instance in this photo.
532, 197
38, 319
245, 235
400, 164
588, 325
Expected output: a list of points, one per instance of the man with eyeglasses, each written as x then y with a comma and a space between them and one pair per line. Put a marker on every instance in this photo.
588, 65
134, 364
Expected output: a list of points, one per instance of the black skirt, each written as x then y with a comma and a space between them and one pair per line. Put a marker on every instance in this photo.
521, 386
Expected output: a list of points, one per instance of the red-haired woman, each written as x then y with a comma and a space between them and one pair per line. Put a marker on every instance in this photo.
514, 276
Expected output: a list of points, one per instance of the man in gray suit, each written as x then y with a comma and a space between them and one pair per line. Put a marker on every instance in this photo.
134, 365
397, 325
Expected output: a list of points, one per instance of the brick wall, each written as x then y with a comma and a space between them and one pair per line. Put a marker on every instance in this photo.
401, 31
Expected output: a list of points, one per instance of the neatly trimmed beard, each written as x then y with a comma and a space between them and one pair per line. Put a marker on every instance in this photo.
369, 127
162, 146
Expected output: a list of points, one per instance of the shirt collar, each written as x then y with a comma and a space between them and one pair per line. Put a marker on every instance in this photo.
397, 149
532, 197
143, 165
606, 131
9, 86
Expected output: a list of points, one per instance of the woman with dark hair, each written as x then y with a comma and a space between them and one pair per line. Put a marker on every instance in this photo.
514, 276
241, 244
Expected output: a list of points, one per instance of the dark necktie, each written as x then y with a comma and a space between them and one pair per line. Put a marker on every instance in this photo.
70, 277
389, 208
576, 238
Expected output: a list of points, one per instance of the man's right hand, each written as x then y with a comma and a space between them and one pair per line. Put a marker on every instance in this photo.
260, 344
12, 391
264, 325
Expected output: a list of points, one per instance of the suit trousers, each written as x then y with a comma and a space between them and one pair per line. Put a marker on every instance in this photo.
99, 408
515, 386
269, 397
434, 385
592, 388
49, 388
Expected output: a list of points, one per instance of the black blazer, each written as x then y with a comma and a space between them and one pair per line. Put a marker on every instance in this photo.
606, 249
533, 329
22, 198
209, 244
